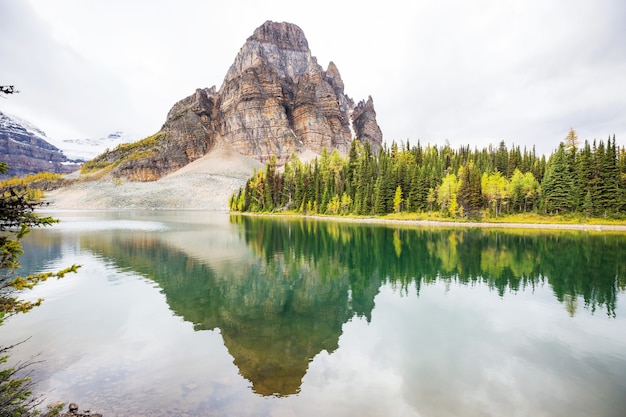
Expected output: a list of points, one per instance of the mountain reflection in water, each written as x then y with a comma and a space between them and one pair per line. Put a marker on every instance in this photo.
288, 299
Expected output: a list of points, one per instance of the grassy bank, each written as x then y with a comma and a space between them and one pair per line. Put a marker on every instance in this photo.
526, 221
519, 218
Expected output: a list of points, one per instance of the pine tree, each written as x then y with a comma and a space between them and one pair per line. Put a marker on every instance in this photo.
414, 197
353, 163
515, 161
431, 199
622, 179
502, 158
379, 197
517, 194
557, 186
584, 177
613, 177
607, 179
385, 184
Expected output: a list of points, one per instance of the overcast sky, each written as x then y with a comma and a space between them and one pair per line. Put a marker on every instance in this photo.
469, 72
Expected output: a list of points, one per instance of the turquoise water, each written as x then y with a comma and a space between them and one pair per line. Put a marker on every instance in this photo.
201, 313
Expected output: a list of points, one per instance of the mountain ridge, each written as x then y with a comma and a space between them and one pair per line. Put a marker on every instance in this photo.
27, 150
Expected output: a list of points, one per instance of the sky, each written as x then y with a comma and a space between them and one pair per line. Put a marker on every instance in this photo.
463, 72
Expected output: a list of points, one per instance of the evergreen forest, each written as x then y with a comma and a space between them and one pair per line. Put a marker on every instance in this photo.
587, 180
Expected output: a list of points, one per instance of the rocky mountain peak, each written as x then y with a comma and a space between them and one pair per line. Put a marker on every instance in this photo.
333, 77
281, 46
285, 36
275, 100
364, 121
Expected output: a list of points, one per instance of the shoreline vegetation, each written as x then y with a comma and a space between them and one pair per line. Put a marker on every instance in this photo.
573, 186
506, 222
403, 185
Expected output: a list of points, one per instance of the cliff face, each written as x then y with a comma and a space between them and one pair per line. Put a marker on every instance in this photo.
274, 100
277, 99
25, 149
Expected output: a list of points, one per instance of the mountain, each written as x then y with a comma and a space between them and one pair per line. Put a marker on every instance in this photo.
27, 150
275, 100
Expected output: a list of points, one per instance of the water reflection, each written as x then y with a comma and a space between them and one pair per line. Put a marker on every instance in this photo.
274, 316
281, 290
574, 264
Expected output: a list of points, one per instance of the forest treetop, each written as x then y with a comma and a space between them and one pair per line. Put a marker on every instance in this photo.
587, 179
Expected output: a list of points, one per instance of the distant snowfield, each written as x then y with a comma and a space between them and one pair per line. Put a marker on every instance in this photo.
87, 149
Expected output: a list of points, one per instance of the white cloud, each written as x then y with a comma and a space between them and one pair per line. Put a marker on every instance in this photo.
470, 72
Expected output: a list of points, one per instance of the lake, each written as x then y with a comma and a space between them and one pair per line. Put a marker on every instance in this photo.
202, 313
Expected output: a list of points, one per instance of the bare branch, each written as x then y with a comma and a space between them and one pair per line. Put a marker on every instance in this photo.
8, 89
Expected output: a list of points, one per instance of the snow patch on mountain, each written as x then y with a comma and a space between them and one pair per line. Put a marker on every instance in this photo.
89, 148
13, 124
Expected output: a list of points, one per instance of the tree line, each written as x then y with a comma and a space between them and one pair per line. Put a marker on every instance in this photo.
463, 183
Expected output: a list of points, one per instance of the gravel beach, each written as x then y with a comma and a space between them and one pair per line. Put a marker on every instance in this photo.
205, 184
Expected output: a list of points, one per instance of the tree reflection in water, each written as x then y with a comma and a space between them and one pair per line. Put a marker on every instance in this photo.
280, 307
